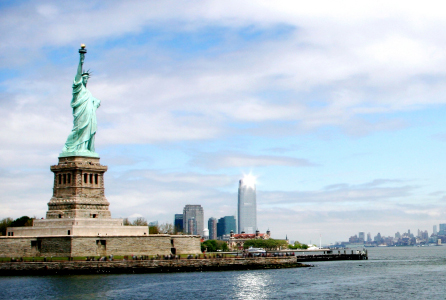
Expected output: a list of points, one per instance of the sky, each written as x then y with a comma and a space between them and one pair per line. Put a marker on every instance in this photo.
336, 107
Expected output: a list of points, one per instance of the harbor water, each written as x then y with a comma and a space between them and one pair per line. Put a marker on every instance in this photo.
389, 273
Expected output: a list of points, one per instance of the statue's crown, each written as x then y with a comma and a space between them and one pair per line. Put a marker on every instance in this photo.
88, 73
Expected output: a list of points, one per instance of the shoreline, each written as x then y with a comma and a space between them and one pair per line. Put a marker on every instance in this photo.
146, 266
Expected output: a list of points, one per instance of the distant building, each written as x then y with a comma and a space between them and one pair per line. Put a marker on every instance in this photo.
442, 230
153, 224
225, 225
435, 230
206, 234
377, 238
236, 241
247, 207
353, 239
192, 226
178, 223
193, 219
369, 237
357, 240
212, 226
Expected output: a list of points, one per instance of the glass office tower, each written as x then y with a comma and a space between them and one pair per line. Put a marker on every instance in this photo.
178, 223
193, 219
225, 225
247, 208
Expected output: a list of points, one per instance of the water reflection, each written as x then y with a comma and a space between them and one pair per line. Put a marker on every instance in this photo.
252, 285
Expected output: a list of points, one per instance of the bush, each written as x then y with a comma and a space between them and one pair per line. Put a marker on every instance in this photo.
298, 245
268, 244
5, 223
22, 221
214, 245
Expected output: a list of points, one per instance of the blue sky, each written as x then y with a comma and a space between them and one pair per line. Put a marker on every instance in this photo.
337, 108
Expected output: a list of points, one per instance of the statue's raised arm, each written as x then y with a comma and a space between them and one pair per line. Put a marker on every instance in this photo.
80, 141
81, 64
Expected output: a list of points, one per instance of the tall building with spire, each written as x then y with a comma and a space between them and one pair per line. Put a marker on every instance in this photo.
247, 207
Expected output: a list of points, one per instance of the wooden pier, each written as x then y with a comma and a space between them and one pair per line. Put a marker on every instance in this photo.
332, 255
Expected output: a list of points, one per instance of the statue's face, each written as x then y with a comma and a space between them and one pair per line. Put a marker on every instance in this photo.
85, 79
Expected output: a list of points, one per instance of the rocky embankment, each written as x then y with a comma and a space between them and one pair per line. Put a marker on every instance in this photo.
146, 266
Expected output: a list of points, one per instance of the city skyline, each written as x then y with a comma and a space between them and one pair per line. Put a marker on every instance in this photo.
407, 238
337, 109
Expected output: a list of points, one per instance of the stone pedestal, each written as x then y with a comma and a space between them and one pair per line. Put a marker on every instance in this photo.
78, 206
78, 221
78, 190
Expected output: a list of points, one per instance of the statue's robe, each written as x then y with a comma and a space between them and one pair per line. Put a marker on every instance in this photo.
81, 138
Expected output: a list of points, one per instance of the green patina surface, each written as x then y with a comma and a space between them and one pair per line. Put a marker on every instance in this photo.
80, 141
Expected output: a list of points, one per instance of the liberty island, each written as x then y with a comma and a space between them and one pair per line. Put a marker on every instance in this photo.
78, 221
79, 225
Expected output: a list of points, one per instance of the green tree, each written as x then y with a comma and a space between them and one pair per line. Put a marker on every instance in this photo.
268, 244
153, 230
126, 222
222, 245
298, 245
209, 246
22, 221
214, 245
5, 223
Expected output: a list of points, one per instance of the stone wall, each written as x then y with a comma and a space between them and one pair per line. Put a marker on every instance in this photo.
186, 244
121, 245
98, 245
55, 246
17, 247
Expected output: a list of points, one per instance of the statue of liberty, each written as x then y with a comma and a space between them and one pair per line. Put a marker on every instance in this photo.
80, 141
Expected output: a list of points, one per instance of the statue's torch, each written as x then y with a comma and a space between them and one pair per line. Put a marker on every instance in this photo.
82, 49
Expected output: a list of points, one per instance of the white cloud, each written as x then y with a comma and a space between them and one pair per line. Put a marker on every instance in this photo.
238, 160
348, 66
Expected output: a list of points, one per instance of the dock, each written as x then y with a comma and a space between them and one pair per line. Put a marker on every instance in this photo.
331, 255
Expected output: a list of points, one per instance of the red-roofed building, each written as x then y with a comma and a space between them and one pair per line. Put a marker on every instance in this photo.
236, 241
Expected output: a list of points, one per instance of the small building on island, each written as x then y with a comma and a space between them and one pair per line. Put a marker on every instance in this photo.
236, 241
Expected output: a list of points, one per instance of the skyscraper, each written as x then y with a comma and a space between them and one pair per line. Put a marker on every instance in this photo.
178, 223
361, 237
192, 226
247, 208
225, 225
193, 219
212, 226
